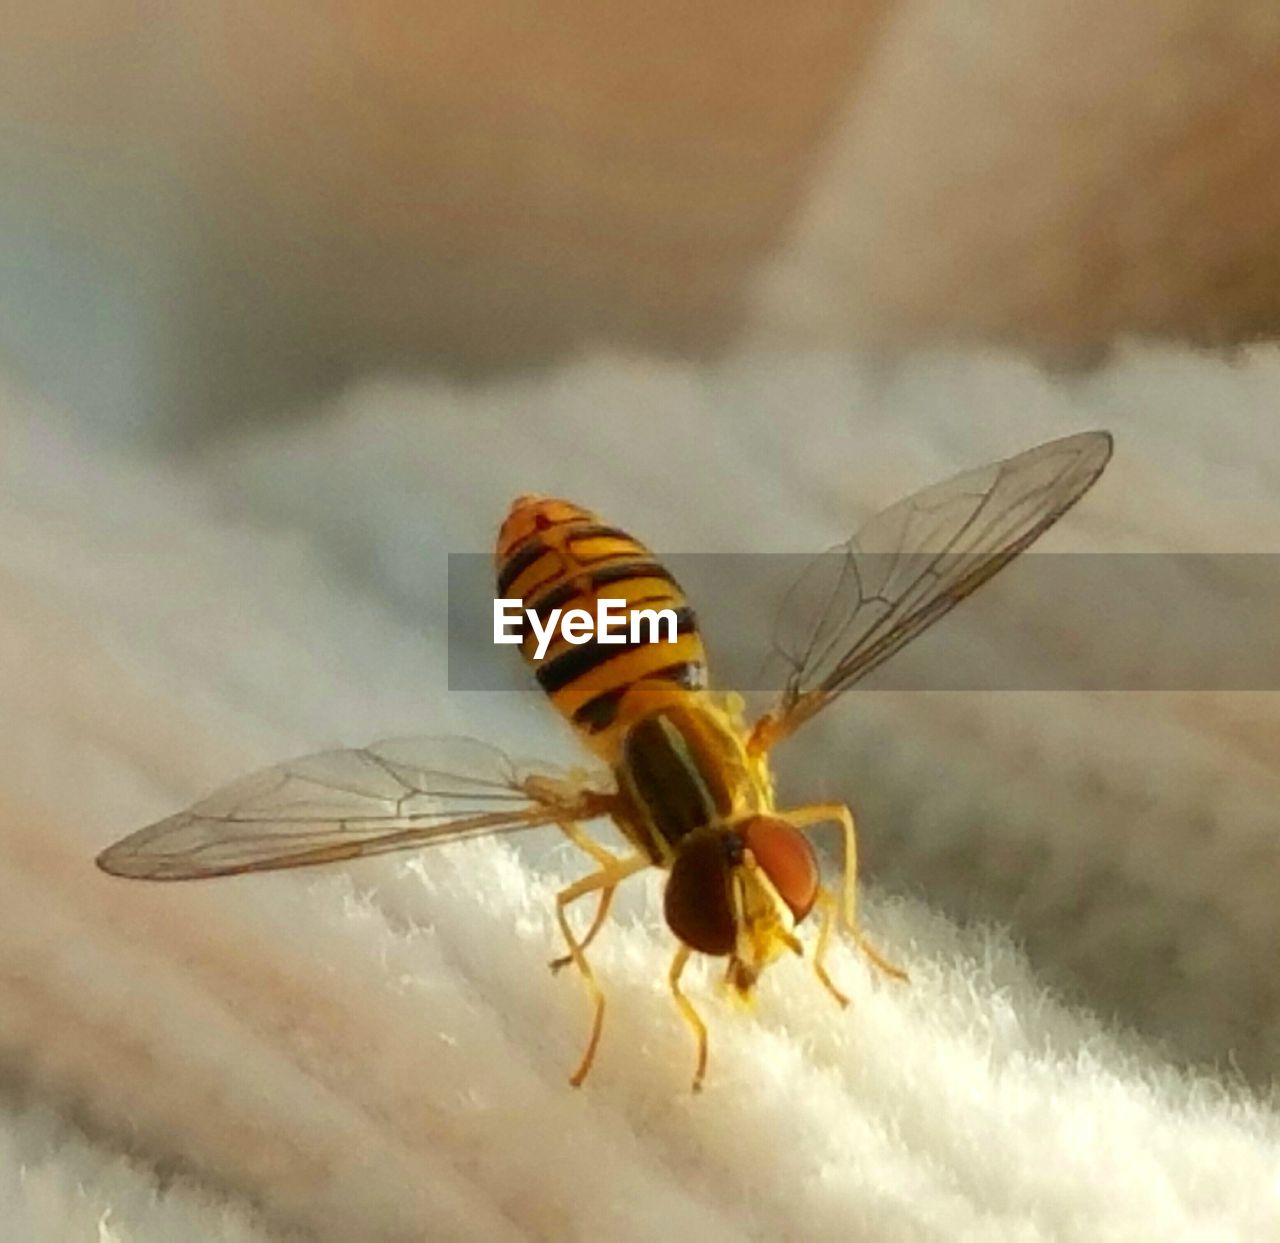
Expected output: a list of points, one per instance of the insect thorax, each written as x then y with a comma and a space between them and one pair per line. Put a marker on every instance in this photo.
684, 767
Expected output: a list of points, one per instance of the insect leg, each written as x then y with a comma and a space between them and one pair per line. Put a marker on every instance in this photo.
607, 862
689, 1013
587, 844
839, 813
828, 903
607, 879
602, 910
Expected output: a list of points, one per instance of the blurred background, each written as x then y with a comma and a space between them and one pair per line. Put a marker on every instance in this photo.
214, 212
295, 298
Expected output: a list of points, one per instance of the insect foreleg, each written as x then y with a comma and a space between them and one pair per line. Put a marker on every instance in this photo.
689, 1013
606, 879
839, 813
828, 903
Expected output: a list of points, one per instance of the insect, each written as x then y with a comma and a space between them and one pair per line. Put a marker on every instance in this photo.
689, 782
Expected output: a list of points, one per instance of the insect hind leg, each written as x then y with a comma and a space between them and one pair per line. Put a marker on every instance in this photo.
839, 813
606, 879
606, 861
602, 910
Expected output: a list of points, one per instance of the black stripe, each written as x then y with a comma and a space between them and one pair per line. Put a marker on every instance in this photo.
599, 713
570, 665
691, 674
663, 783
666, 599
533, 546
518, 562
595, 530
559, 596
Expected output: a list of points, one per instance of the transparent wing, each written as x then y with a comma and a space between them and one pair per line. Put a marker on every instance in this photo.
858, 604
397, 794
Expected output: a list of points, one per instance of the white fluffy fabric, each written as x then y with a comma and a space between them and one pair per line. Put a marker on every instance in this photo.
378, 1052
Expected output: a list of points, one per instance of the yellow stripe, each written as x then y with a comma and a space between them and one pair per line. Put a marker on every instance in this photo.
627, 591
601, 547
625, 669
546, 571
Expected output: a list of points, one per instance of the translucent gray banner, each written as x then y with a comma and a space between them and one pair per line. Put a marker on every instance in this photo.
1117, 622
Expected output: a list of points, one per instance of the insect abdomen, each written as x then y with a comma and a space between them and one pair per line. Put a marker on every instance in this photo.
552, 554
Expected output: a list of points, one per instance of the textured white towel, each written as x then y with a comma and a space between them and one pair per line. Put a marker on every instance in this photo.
378, 1052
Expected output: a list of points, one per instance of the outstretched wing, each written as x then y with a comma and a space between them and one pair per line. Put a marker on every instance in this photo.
394, 795
861, 602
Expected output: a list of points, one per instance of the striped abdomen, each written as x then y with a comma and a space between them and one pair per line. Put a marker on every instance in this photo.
552, 554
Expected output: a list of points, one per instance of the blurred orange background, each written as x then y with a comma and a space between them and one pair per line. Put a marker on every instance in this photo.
208, 210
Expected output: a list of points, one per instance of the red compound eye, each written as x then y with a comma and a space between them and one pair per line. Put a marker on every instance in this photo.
787, 859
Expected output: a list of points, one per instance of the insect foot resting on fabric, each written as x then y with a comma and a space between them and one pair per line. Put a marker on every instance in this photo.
688, 780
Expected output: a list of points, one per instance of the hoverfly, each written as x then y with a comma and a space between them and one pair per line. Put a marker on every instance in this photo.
689, 782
